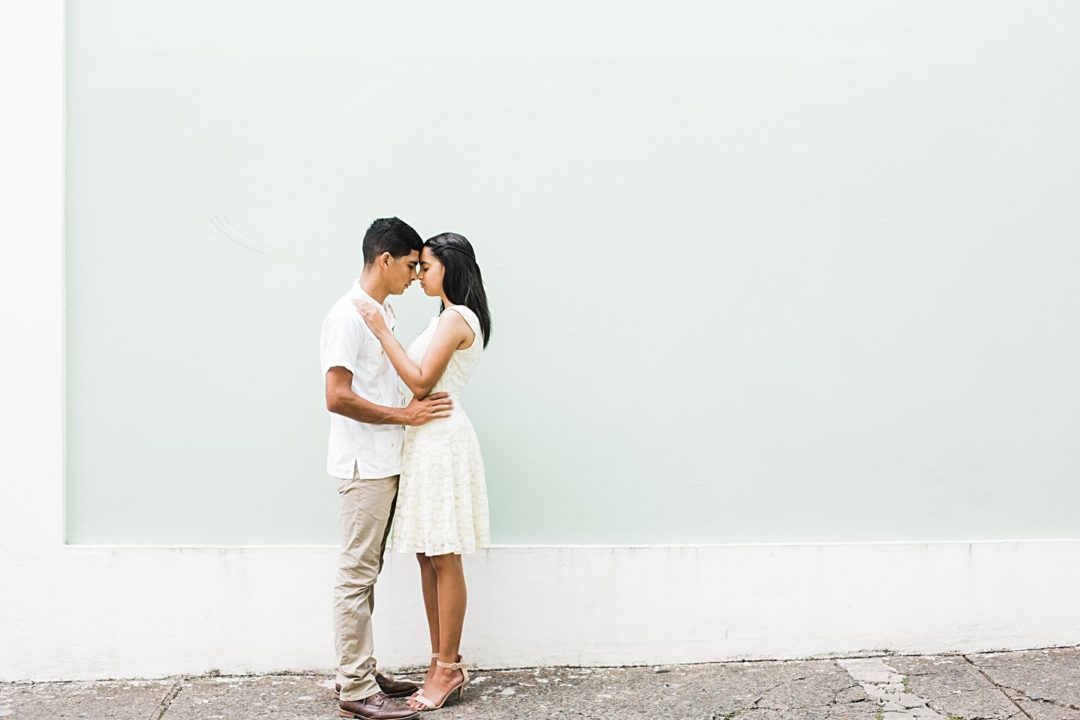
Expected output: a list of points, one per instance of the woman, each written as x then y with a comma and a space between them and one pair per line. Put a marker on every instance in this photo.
442, 506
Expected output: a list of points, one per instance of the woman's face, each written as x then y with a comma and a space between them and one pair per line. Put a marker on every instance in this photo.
431, 273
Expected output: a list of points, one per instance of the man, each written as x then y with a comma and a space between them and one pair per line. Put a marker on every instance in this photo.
366, 436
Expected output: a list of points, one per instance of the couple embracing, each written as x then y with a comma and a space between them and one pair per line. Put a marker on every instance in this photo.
410, 475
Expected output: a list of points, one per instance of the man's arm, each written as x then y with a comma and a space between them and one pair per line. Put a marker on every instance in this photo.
341, 399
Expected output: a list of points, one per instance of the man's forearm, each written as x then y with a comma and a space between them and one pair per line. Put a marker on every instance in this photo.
357, 408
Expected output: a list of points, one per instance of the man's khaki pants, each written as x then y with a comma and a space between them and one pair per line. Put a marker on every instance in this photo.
367, 506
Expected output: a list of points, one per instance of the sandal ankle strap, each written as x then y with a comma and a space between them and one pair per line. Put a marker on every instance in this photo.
451, 666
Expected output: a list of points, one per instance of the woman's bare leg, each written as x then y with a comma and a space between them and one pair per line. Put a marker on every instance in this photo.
429, 585
452, 598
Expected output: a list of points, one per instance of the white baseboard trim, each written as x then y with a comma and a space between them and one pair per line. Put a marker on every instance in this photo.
101, 612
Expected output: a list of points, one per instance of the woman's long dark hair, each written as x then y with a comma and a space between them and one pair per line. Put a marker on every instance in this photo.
462, 282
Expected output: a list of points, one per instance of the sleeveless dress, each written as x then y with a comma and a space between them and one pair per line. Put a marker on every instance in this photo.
442, 503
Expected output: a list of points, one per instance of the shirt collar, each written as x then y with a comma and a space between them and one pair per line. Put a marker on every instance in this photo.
387, 308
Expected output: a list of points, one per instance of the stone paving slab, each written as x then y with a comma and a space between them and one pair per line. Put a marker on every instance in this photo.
1040, 685
1038, 710
1045, 683
889, 689
954, 687
760, 691
112, 700
283, 697
810, 690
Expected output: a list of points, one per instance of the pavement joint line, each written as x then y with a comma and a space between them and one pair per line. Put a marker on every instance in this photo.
1030, 699
1021, 693
997, 687
163, 706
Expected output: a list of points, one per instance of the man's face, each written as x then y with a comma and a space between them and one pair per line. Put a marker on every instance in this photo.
401, 272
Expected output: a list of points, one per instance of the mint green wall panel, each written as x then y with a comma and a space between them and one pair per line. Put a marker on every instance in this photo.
759, 271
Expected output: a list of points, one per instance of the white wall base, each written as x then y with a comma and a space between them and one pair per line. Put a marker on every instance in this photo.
82, 613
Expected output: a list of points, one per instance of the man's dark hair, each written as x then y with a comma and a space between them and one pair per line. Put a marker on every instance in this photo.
390, 235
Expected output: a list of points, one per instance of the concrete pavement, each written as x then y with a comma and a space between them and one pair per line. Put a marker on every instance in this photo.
1035, 684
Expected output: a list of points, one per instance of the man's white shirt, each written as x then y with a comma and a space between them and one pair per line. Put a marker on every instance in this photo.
374, 451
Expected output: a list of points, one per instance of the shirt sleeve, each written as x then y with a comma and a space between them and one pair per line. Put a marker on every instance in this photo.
341, 343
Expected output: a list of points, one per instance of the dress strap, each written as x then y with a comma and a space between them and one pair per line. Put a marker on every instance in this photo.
470, 317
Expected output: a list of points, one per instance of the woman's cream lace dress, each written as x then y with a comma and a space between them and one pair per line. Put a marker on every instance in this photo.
442, 503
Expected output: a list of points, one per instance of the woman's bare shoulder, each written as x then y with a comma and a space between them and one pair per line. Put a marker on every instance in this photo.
454, 319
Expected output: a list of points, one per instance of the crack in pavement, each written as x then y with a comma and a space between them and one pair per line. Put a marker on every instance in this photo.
763, 693
163, 706
996, 686
834, 702
887, 687
1023, 694
836, 697
1018, 691
1030, 699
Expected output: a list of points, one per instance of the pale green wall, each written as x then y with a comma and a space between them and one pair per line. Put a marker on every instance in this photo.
759, 271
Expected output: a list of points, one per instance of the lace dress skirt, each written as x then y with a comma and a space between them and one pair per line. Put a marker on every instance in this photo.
442, 504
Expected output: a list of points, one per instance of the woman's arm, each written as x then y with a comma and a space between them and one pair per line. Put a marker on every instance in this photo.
451, 332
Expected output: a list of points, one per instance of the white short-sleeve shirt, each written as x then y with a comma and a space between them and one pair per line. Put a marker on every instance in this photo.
374, 451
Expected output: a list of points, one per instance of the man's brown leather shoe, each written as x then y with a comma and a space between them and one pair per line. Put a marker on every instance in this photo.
389, 686
396, 688
376, 707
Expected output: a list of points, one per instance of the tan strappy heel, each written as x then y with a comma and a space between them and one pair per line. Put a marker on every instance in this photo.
427, 703
435, 657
